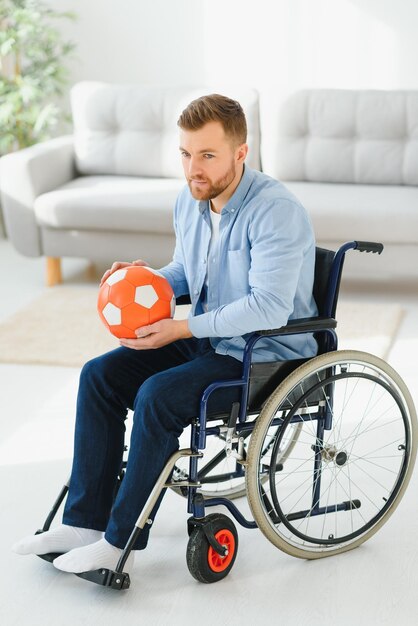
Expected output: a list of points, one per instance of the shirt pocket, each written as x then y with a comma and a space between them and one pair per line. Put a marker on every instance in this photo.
236, 275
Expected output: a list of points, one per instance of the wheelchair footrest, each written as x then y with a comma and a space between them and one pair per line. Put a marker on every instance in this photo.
107, 578
50, 556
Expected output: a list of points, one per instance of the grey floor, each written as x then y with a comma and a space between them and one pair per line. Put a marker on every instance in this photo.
374, 584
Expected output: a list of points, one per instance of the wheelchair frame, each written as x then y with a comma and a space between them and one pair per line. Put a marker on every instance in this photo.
236, 424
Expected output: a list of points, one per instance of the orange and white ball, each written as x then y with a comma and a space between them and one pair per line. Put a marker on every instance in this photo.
132, 297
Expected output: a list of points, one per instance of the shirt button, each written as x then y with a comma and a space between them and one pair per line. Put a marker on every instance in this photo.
232, 210
204, 260
196, 292
213, 260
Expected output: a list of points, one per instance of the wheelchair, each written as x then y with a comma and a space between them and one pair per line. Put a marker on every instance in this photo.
323, 448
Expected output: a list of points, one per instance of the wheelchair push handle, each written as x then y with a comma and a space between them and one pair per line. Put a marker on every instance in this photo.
369, 246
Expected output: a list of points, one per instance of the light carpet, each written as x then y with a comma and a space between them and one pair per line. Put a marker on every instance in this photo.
62, 327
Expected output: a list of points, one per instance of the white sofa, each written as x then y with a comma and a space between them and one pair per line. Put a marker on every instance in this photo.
107, 192
351, 157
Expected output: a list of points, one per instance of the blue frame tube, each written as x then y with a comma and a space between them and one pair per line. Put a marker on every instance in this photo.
232, 509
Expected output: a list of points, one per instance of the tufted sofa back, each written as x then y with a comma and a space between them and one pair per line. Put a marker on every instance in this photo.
132, 129
346, 136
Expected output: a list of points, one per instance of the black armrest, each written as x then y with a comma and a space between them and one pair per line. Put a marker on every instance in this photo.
304, 325
183, 299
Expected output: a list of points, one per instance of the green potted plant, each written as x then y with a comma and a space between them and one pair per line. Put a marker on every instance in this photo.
32, 72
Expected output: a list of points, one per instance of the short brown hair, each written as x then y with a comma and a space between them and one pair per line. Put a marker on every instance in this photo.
216, 108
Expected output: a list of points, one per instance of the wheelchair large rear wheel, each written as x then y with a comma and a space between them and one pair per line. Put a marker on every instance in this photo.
351, 463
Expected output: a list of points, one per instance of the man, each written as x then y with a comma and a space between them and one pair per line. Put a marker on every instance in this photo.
245, 254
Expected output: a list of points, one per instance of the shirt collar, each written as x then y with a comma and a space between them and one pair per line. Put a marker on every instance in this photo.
235, 201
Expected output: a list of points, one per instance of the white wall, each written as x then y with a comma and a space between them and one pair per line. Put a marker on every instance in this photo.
122, 41
277, 45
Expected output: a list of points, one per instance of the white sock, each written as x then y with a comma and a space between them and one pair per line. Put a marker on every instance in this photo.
92, 557
63, 538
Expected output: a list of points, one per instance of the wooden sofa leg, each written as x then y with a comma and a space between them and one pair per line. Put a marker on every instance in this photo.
53, 271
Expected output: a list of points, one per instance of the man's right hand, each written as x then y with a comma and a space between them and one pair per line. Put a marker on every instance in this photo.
117, 265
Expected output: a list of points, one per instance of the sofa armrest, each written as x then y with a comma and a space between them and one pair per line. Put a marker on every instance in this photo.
26, 174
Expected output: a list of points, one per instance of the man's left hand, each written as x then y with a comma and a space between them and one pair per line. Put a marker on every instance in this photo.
157, 335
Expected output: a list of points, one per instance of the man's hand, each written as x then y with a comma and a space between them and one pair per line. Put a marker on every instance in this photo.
117, 265
157, 335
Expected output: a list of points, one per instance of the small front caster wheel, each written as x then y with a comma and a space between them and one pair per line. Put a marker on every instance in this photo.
204, 562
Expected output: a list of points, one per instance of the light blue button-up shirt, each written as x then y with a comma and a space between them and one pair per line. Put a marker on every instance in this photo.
262, 275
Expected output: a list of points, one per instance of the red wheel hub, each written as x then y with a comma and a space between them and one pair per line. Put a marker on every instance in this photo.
217, 562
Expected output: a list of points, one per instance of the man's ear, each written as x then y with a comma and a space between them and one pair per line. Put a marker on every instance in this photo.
241, 153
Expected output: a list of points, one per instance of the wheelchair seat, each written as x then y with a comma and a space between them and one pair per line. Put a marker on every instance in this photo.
264, 378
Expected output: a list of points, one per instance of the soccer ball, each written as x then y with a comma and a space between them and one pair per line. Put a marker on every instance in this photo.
132, 297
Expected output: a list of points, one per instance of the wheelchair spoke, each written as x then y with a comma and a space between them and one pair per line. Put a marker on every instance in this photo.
349, 496
385, 488
368, 430
382, 467
387, 445
324, 516
369, 427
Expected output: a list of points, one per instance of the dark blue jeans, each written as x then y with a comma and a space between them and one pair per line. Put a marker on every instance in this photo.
163, 387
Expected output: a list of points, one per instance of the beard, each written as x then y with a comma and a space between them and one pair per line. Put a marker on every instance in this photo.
212, 189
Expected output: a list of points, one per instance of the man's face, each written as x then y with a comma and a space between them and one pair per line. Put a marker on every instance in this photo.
210, 160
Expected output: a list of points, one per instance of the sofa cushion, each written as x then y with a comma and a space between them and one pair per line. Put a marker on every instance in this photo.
132, 129
344, 136
115, 203
388, 214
